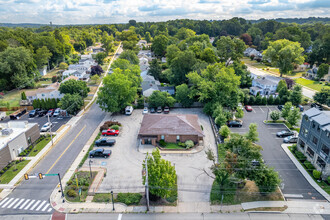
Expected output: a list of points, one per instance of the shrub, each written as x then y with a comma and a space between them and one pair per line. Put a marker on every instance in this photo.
2, 172
189, 144
328, 179
300, 156
116, 127
224, 131
182, 144
72, 193
129, 198
108, 124
294, 148
316, 174
69, 182
162, 143
309, 165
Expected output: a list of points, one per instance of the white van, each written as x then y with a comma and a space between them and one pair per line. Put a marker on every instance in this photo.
128, 110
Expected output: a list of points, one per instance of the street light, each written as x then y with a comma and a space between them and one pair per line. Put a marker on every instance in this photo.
113, 203
90, 169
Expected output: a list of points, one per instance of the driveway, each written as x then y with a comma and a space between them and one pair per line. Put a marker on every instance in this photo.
125, 164
294, 185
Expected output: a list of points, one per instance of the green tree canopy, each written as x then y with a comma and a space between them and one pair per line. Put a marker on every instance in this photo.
72, 86
296, 95
130, 56
286, 110
182, 95
72, 103
181, 65
230, 48
184, 33
323, 96
171, 52
155, 69
159, 45
42, 56
294, 116
323, 70
252, 134
63, 66
158, 98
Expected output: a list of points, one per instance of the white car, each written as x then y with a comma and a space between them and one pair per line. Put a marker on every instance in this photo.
145, 110
57, 112
46, 127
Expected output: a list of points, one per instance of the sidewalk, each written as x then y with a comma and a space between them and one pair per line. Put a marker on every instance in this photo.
304, 172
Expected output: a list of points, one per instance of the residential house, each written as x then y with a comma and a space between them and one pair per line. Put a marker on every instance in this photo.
163, 60
80, 67
302, 67
48, 92
144, 64
169, 89
43, 71
171, 128
146, 54
251, 51
70, 77
149, 85
15, 137
312, 73
142, 43
264, 86
314, 139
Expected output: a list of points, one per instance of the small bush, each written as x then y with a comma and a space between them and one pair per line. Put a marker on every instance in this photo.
108, 124
72, 193
2, 172
224, 131
328, 179
300, 156
316, 174
309, 165
129, 198
294, 148
189, 144
162, 143
116, 127
182, 144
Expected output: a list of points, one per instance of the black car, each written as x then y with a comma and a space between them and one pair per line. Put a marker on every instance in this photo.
105, 142
318, 106
235, 123
284, 133
152, 110
280, 107
101, 152
42, 113
301, 108
32, 113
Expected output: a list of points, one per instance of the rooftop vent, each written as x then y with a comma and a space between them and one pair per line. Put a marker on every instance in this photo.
6, 131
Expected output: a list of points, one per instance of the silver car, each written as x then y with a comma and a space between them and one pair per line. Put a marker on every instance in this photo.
290, 139
46, 127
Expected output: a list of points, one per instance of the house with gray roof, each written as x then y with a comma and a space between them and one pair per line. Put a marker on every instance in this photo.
264, 86
314, 139
251, 51
149, 85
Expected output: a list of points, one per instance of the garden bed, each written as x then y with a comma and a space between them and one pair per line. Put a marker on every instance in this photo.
35, 148
11, 170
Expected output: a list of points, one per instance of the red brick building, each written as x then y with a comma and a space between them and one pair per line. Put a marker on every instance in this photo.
171, 128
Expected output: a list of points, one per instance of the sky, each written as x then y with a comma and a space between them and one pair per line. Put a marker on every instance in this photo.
121, 11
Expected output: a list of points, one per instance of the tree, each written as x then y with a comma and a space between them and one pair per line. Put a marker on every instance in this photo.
296, 95
208, 55
247, 39
275, 115
118, 92
63, 66
239, 113
294, 116
42, 56
72, 103
171, 52
155, 69
184, 33
323, 97
230, 49
95, 79
107, 42
132, 22
182, 93
96, 70
23, 96
130, 56
158, 98
148, 37
252, 134
323, 70
162, 177
267, 179
181, 65
224, 131
72, 86
284, 54
99, 57
159, 45
286, 110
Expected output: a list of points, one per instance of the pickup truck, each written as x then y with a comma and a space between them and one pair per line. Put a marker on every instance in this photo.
105, 142
17, 114
100, 153
110, 132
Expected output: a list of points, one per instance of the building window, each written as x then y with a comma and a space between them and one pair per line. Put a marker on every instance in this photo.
318, 128
305, 132
301, 144
162, 137
313, 125
314, 140
177, 138
29, 141
310, 152
320, 162
325, 149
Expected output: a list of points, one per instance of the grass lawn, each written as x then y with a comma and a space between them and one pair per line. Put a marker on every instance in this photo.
13, 98
310, 84
92, 89
51, 73
102, 197
10, 173
173, 146
37, 148
254, 63
43, 83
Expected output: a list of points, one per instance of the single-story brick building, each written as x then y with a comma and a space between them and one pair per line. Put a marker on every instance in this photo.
171, 128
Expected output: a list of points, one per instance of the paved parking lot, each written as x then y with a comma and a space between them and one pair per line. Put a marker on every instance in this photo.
125, 164
294, 185
57, 121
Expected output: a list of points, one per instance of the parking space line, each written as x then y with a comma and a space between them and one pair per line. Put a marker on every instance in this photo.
261, 109
253, 110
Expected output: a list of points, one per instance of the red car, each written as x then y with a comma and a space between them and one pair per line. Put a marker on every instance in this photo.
248, 108
110, 132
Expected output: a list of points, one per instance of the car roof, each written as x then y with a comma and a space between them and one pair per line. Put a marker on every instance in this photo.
99, 149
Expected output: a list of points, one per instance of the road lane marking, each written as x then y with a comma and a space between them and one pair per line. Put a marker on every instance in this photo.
28, 206
65, 150
13, 203
46, 206
22, 206
293, 195
261, 109
119, 216
50, 209
18, 203
39, 207
3, 201
35, 205
4, 205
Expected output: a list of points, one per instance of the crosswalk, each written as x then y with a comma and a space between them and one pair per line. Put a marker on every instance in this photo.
25, 204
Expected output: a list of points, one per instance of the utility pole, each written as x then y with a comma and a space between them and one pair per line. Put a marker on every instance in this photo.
50, 130
147, 184
90, 169
59, 177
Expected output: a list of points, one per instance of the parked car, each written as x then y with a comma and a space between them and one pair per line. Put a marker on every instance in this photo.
145, 110
248, 108
166, 110
110, 132
280, 107
42, 113
50, 112
240, 106
318, 106
284, 133
57, 112
46, 127
235, 123
2, 115
33, 113
159, 109
105, 142
152, 110
301, 108
290, 139
128, 110
101, 152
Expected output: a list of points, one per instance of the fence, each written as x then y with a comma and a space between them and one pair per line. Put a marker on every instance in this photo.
4, 109
215, 131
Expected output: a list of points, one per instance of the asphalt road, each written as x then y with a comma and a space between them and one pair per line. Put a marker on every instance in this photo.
294, 185
36, 192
